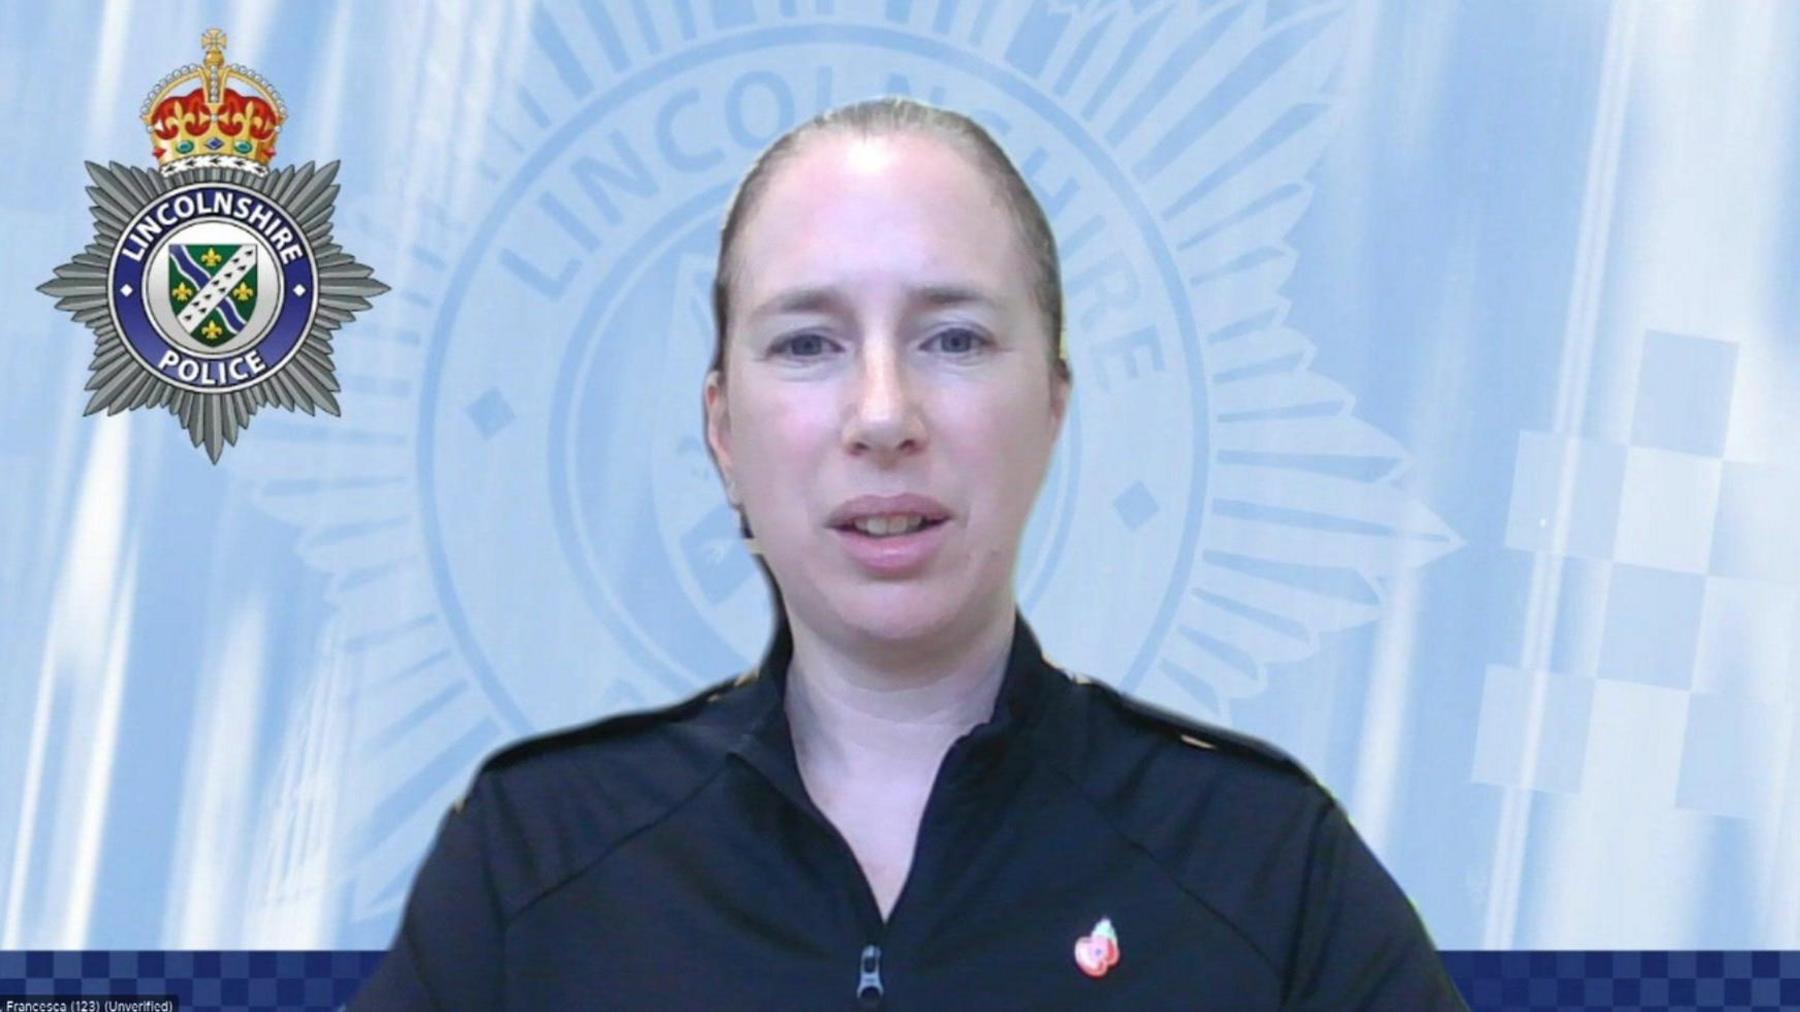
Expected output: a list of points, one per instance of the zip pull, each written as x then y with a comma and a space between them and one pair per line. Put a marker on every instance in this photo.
868, 982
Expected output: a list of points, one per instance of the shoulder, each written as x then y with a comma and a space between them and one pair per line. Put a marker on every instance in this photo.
614, 737
1185, 788
548, 807
1232, 819
1257, 842
1121, 729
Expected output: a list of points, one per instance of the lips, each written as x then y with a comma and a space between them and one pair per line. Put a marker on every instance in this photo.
870, 507
892, 556
912, 529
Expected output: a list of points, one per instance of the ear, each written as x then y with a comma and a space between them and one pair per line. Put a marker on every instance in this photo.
718, 425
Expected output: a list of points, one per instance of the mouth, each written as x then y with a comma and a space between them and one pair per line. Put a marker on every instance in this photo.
891, 525
886, 516
903, 548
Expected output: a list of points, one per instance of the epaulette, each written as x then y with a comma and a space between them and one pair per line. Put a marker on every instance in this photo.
1196, 733
612, 726
751, 675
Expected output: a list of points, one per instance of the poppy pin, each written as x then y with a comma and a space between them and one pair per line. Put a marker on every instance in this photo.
1097, 951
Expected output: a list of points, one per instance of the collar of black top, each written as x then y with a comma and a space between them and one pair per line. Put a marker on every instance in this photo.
1027, 689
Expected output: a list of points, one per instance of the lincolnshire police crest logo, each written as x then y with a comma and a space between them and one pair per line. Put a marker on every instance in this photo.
212, 285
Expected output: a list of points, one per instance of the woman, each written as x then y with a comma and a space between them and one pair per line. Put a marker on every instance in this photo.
904, 805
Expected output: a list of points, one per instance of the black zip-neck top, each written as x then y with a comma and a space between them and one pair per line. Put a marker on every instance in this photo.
1078, 850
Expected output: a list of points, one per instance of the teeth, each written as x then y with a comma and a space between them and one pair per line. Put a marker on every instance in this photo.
899, 523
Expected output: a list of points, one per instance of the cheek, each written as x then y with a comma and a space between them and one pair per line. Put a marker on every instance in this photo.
1001, 450
776, 441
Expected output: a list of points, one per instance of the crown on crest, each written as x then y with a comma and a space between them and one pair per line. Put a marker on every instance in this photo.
197, 119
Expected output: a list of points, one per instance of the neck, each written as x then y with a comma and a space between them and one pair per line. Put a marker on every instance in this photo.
893, 709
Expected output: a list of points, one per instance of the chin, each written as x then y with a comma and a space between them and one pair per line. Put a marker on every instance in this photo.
900, 613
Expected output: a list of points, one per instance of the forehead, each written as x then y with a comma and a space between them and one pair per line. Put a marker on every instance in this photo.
863, 213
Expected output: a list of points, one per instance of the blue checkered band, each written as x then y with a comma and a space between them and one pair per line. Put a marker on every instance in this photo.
197, 980
1515, 981
1578, 981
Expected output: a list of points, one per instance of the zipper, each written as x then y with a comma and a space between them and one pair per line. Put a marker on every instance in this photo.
868, 981
869, 987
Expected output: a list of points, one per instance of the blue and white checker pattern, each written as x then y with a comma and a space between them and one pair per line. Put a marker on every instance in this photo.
1671, 666
199, 981
1513, 981
1628, 981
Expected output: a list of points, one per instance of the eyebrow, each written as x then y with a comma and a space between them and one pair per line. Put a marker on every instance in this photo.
820, 299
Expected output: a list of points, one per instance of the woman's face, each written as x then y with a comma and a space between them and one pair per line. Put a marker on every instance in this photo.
886, 370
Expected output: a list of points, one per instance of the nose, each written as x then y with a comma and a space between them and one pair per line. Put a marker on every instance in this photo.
883, 417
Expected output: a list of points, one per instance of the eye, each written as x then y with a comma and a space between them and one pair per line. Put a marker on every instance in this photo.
960, 340
802, 346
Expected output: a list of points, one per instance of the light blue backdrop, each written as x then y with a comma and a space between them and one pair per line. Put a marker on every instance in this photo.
1437, 397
